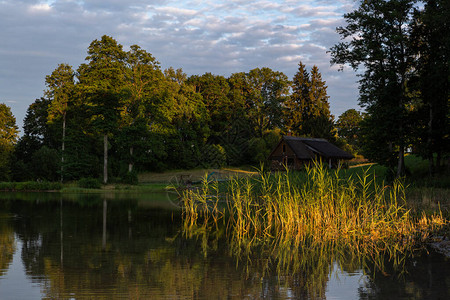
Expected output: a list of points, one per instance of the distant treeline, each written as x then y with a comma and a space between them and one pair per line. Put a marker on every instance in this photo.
119, 113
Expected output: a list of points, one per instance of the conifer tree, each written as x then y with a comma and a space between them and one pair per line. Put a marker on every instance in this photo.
308, 111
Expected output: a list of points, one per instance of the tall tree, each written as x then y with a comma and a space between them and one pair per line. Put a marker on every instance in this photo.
214, 90
377, 38
348, 127
142, 84
8, 137
188, 130
268, 90
60, 88
307, 109
297, 103
431, 43
102, 82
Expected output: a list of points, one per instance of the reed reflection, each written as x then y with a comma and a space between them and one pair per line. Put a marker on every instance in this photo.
298, 225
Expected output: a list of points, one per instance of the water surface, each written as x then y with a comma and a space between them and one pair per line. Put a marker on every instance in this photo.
131, 246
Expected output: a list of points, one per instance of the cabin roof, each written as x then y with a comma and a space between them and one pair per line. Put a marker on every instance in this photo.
305, 148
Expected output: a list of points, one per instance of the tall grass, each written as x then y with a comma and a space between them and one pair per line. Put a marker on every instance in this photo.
299, 224
315, 207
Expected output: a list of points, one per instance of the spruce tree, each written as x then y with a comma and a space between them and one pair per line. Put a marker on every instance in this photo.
307, 109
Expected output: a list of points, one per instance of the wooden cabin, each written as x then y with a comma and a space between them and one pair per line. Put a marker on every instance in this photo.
295, 152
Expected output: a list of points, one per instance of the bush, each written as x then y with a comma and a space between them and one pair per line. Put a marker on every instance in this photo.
130, 178
45, 164
213, 156
89, 183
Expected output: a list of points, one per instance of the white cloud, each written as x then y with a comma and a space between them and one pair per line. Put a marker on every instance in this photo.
39, 8
221, 37
168, 10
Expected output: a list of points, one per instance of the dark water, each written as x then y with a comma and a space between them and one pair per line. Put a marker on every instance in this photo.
132, 247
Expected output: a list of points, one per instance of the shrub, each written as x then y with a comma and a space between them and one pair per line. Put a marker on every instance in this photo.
130, 178
89, 183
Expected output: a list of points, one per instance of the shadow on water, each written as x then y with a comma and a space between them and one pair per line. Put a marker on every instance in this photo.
116, 246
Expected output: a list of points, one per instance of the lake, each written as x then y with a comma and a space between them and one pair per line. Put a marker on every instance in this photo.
133, 246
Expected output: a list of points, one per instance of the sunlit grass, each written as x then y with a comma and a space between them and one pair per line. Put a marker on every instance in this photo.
315, 207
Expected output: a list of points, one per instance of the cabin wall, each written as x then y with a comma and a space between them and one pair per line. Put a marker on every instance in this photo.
283, 155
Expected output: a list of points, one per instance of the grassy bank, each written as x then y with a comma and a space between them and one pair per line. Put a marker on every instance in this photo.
31, 186
140, 188
73, 187
194, 175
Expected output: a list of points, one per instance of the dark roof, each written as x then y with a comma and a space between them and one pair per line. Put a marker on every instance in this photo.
305, 147
299, 148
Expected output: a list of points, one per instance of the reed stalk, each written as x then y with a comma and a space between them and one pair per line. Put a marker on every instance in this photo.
316, 206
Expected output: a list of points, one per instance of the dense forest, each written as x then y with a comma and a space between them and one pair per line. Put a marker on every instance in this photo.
118, 113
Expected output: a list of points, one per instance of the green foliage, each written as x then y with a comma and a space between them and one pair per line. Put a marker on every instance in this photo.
119, 112
130, 178
349, 128
268, 90
82, 155
8, 128
213, 156
60, 87
89, 183
260, 148
45, 164
38, 132
307, 109
431, 81
403, 48
214, 91
8, 137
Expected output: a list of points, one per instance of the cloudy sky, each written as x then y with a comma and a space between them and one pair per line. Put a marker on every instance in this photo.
221, 37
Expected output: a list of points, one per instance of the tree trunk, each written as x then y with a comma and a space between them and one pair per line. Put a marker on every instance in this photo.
130, 164
430, 142
105, 207
401, 162
61, 235
105, 158
439, 160
63, 147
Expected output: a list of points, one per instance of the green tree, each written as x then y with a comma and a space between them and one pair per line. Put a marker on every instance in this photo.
44, 166
102, 81
214, 90
431, 42
8, 137
377, 37
307, 110
235, 136
60, 89
267, 93
261, 147
185, 110
296, 104
143, 87
37, 133
349, 127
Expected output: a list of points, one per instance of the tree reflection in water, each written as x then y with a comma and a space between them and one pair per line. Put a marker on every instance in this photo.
7, 243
